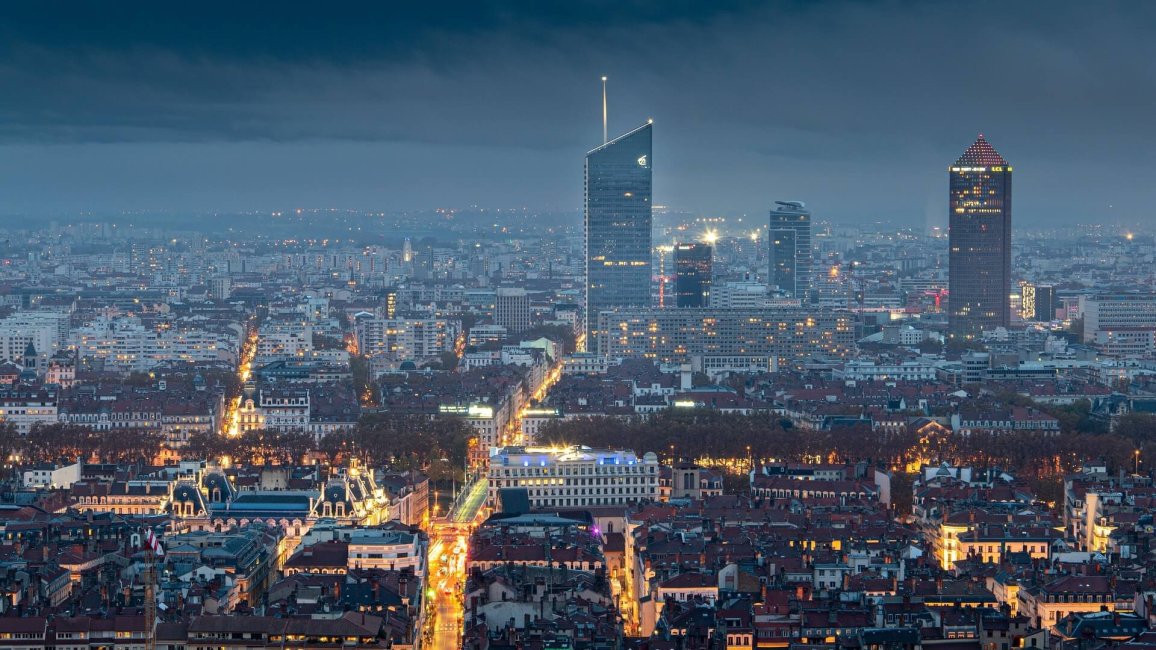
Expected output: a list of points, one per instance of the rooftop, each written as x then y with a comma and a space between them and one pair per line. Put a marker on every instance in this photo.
981, 154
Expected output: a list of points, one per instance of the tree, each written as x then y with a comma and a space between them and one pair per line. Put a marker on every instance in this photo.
207, 445
336, 445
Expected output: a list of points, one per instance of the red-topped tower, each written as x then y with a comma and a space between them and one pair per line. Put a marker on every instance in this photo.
979, 260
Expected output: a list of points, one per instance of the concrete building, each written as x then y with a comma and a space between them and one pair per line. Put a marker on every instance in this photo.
793, 337
512, 309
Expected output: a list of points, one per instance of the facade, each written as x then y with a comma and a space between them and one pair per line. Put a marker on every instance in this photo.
512, 309
126, 345
52, 475
280, 409
790, 248
285, 339
578, 476
739, 295
1111, 312
45, 330
26, 407
618, 225
979, 258
792, 337
1038, 302
862, 370
692, 275
405, 339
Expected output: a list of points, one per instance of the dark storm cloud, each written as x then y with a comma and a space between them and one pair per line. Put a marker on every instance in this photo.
854, 106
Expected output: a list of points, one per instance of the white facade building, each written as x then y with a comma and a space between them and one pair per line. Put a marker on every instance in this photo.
578, 476
406, 339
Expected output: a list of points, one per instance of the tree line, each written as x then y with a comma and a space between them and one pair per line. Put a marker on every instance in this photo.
1038, 460
49, 443
401, 441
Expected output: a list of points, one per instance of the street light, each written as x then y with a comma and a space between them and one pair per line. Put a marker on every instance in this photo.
1137, 455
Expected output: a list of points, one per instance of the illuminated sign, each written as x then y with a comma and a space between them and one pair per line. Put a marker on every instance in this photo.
471, 411
642, 160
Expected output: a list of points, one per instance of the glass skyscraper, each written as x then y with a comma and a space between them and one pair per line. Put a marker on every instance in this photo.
979, 240
692, 274
618, 226
790, 248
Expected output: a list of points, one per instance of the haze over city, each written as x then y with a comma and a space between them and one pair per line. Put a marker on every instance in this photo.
857, 107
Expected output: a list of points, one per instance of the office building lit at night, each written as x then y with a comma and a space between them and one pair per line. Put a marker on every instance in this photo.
790, 248
618, 225
692, 274
979, 259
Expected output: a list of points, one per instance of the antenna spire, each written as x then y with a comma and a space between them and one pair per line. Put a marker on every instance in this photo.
605, 132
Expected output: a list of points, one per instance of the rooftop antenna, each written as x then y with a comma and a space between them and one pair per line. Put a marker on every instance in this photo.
605, 136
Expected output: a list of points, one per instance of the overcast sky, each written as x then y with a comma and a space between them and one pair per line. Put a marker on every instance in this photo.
854, 107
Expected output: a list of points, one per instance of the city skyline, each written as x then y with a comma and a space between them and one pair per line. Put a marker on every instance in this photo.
173, 121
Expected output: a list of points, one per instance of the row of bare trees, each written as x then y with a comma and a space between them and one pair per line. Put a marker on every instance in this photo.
1038, 459
71, 442
397, 440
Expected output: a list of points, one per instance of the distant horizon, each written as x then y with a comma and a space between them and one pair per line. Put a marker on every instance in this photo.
479, 215
856, 108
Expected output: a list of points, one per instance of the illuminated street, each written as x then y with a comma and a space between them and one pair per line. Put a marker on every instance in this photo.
244, 372
446, 571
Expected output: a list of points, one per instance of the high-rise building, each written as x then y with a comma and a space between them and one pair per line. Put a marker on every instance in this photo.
1038, 302
790, 248
979, 240
618, 226
512, 309
692, 274
1045, 303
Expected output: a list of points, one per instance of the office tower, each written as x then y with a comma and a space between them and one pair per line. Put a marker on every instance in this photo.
1038, 302
790, 249
512, 309
1045, 303
618, 226
692, 273
979, 241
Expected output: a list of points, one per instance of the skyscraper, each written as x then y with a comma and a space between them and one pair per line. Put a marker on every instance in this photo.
979, 240
790, 248
692, 274
618, 226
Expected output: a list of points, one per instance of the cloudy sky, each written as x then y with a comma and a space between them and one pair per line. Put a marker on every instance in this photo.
855, 107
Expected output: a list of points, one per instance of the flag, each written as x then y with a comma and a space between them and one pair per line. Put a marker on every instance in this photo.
153, 543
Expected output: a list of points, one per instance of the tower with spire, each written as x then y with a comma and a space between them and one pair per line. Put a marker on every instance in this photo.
979, 257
